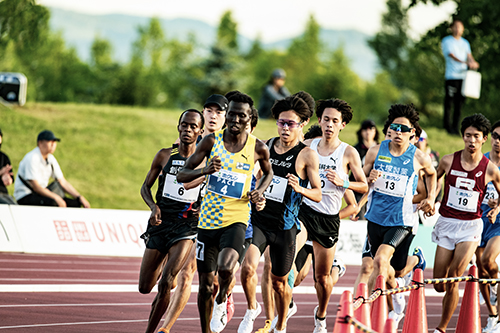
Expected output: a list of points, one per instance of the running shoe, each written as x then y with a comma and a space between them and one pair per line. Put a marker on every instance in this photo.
337, 262
266, 328
246, 325
421, 259
291, 311
396, 317
230, 307
496, 329
319, 325
219, 317
490, 324
162, 330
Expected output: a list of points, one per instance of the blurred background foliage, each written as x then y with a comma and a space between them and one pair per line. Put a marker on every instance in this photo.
168, 73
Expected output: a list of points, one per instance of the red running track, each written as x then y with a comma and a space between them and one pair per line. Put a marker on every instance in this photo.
55, 293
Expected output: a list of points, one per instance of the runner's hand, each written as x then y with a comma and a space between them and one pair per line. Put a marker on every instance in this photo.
374, 174
492, 214
155, 218
334, 178
213, 166
492, 203
293, 181
427, 207
255, 196
261, 204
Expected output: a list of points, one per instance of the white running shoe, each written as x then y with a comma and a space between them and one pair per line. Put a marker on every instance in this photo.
337, 262
219, 317
319, 325
496, 329
396, 317
246, 325
291, 312
490, 324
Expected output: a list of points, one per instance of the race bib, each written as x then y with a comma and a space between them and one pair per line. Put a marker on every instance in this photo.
227, 183
276, 190
463, 200
491, 193
391, 184
175, 191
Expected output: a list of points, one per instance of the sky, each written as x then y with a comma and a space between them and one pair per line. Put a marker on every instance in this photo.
272, 20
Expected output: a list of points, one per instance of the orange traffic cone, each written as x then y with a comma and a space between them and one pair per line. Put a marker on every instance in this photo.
390, 326
416, 312
344, 309
379, 308
469, 320
362, 314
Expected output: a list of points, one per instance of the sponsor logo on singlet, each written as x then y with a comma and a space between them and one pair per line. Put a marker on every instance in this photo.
385, 159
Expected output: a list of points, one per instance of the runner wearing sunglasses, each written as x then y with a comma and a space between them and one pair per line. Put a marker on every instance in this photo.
294, 165
392, 169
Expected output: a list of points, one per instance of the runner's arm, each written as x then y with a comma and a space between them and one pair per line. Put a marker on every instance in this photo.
495, 179
161, 158
311, 164
360, 185
351, 207
427, 205
266, 171
189, 172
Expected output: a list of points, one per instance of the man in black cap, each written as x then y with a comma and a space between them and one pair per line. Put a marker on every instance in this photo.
214, 112
35, 171
6, 177
274, 90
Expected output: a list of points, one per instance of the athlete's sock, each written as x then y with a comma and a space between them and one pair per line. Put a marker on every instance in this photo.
291, 278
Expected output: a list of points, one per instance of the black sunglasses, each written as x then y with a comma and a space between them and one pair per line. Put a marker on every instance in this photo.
400, 128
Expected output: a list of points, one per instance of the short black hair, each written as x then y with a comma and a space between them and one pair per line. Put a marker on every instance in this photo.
407, 111
291, 103
495, 125
255, 117
478, 121
418, 130
341, 106
455, 20
239, 97
195, 111
313, 132
308, 99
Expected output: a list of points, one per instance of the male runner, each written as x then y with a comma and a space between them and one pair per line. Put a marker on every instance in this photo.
276, 225
489, 247
225, 208
171, 229
393, 168
322, 219
458, 230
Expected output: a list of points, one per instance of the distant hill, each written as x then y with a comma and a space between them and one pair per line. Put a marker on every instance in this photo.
79, 31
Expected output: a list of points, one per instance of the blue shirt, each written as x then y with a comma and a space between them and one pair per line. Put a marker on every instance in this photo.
390, 200
460, 49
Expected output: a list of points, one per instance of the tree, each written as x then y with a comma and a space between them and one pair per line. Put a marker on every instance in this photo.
227, 32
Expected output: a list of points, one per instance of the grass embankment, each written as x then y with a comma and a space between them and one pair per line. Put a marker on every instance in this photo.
106, 151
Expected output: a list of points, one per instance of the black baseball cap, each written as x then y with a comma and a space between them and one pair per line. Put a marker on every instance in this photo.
219, 100
47, 136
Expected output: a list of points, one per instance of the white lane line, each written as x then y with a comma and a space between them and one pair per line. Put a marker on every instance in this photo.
302, 290
111, 262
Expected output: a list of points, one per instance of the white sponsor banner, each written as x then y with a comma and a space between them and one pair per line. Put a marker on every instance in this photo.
352, 237
9, 239
80, 231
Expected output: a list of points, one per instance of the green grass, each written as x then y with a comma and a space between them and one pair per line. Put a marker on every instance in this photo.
106, 151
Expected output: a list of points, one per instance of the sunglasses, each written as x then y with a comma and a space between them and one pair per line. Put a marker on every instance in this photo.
400, 128
288, 123
495, 135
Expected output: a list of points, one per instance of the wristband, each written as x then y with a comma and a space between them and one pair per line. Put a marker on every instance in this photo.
78, 197
346, 184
